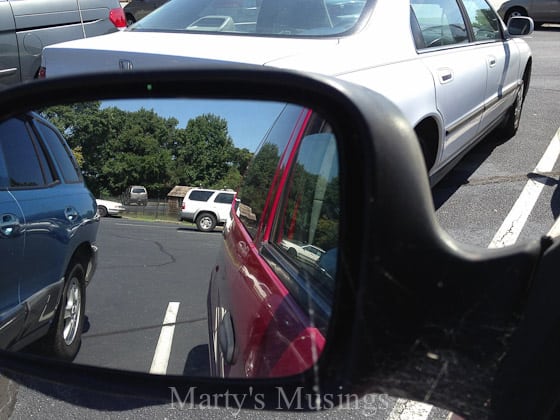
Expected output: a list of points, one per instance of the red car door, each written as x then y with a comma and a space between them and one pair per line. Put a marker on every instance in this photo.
262, 317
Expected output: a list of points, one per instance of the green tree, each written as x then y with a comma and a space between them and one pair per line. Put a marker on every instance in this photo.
117, 148
86, 129
138, 151
205, 152
257, 180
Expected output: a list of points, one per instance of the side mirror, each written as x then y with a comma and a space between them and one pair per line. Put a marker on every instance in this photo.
520, 26
380, 299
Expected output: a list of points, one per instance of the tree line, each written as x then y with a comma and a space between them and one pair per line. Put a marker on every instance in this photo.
117, 148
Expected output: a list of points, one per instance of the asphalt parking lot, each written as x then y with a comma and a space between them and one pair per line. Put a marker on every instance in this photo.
475, 201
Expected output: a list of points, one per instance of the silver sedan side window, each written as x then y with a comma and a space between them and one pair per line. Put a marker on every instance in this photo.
440, 23
484, 21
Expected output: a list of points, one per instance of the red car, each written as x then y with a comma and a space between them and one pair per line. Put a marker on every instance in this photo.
268, 308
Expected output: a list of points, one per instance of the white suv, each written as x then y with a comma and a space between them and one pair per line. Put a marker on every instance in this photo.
206, 208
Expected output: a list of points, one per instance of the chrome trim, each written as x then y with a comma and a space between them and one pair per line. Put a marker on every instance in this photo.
43, 316
8, 72
466, 119
481, 109
8, 323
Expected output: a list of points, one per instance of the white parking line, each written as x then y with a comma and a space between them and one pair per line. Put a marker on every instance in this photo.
163, 348
517, 217
555, 229
144, 225
409, 410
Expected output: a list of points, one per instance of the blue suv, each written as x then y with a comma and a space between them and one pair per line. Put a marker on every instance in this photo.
48, 228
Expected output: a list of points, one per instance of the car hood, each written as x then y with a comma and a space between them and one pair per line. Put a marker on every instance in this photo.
134, 50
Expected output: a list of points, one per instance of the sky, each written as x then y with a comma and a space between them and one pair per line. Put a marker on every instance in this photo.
248, 121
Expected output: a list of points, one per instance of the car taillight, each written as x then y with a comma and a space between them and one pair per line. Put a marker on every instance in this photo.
42, 73
117, 17
183, 206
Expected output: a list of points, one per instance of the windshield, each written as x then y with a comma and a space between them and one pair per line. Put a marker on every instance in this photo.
263, 17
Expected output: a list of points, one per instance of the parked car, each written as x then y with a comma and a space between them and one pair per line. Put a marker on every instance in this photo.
109, 208
542, 11
136, 194
27, 26
207, 208
298, 216
137, 9
305, 252
452, 67
48, 228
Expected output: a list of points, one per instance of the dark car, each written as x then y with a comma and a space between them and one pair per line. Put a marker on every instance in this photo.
137, 9
136, 194
28, 26
274, 319
542, 11
48, 228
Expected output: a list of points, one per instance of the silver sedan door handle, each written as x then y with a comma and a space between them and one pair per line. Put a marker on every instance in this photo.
9, 225
491, 61
445, 75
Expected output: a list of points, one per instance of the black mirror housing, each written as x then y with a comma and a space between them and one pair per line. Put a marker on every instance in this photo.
398, 326
359, 117
520, 26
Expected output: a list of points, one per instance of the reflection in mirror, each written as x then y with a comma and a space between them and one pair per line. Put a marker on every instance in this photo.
215, 233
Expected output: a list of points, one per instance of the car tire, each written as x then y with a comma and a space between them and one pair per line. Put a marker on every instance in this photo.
130, 19
65, 335
510, 125
292, 252
205, 222
514, 12
102, 211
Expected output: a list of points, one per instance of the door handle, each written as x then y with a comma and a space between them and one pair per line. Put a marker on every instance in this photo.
226, 338
9, 225
242, 249
491, 61
445, 75
71, 214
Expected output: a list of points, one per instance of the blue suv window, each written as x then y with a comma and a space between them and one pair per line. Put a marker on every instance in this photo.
25, 163
63, 156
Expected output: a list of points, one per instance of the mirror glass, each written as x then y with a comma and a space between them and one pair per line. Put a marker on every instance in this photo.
216, 235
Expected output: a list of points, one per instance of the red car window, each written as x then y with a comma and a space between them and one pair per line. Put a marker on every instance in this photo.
264, 174
306, 225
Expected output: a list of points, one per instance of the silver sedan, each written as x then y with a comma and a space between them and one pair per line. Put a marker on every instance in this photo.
452, 66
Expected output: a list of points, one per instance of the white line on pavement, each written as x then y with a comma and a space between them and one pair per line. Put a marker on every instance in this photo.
409, 410
555, 229
163, 348
144, 225
518, 215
